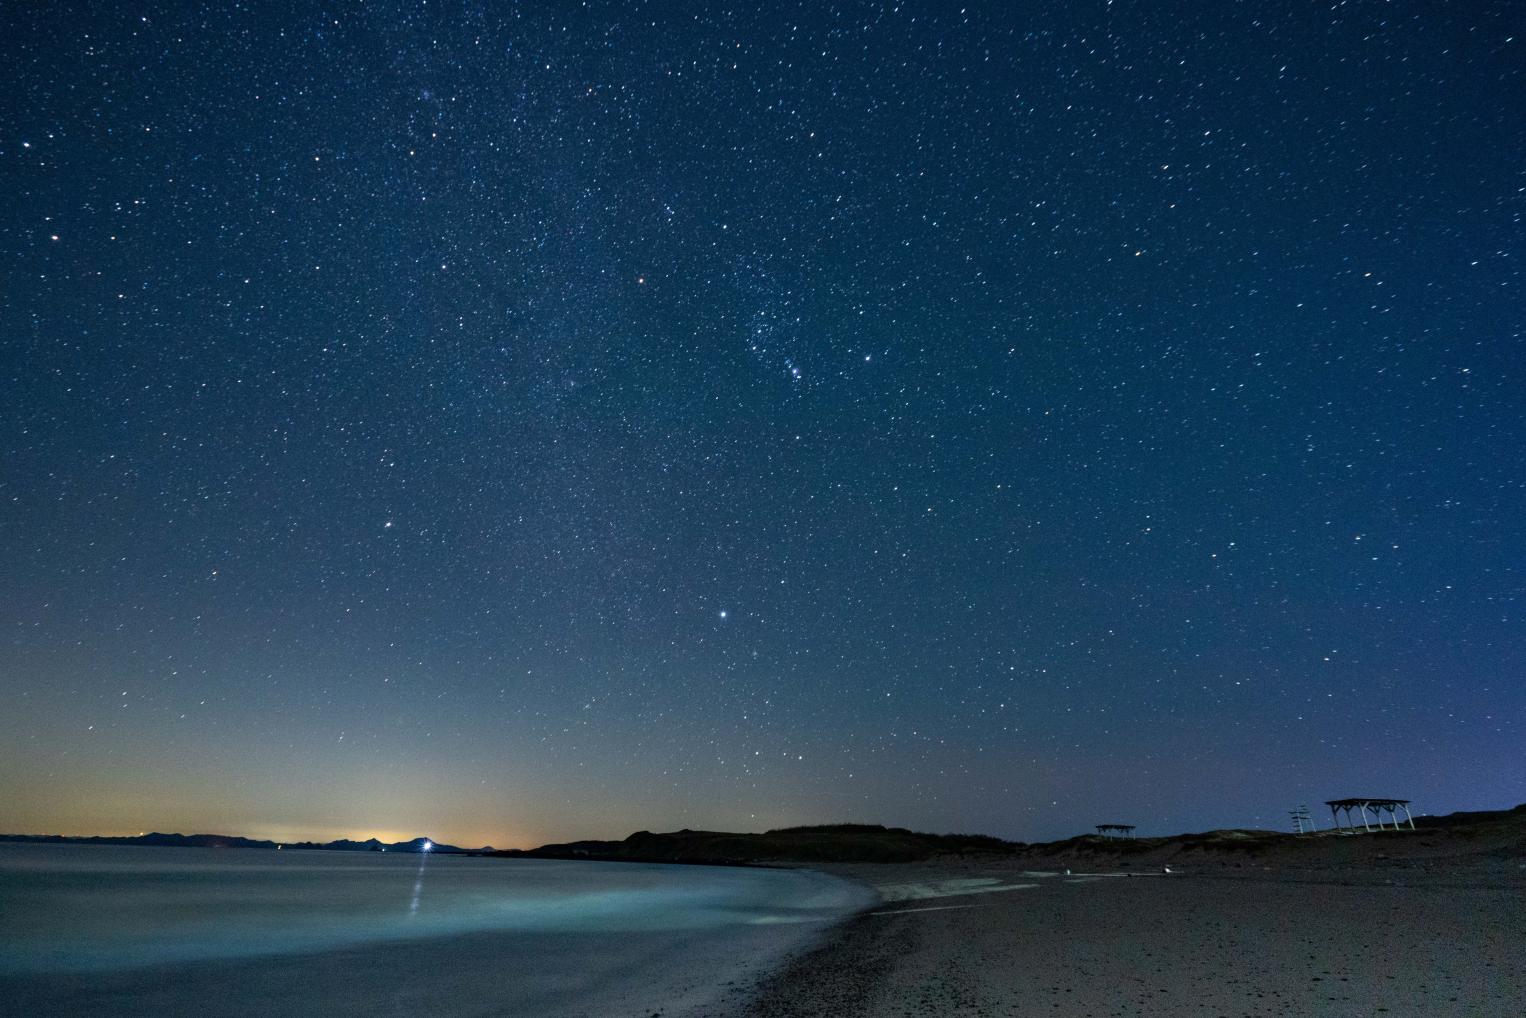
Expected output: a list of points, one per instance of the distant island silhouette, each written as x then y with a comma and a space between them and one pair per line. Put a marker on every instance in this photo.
158, 840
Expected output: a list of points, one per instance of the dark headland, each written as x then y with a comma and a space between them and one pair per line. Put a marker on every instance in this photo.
1494, 832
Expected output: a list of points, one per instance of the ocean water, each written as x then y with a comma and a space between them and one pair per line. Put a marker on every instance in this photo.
99, 926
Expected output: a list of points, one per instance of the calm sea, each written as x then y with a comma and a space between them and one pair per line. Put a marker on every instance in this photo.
77, 909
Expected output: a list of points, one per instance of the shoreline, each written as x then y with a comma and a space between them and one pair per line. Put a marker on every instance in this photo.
1230, 923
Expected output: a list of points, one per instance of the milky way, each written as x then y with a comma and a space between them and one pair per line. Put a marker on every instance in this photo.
510, 423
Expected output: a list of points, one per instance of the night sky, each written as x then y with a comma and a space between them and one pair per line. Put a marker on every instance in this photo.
514, 422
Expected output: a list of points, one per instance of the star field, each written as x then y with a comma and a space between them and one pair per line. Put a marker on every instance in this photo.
520, 422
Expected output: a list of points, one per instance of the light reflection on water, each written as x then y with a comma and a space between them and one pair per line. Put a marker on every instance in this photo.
418, 884
87, 907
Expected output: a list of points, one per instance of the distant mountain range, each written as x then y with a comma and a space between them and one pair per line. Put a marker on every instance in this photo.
227, 841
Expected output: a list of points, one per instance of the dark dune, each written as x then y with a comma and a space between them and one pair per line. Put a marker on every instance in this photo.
1497, 835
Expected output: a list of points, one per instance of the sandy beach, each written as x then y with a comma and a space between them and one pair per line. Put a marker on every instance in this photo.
1428, 939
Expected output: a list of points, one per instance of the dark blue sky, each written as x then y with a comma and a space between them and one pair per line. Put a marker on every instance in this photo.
512, 422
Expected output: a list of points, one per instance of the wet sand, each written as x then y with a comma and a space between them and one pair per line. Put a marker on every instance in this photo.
1220, 941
